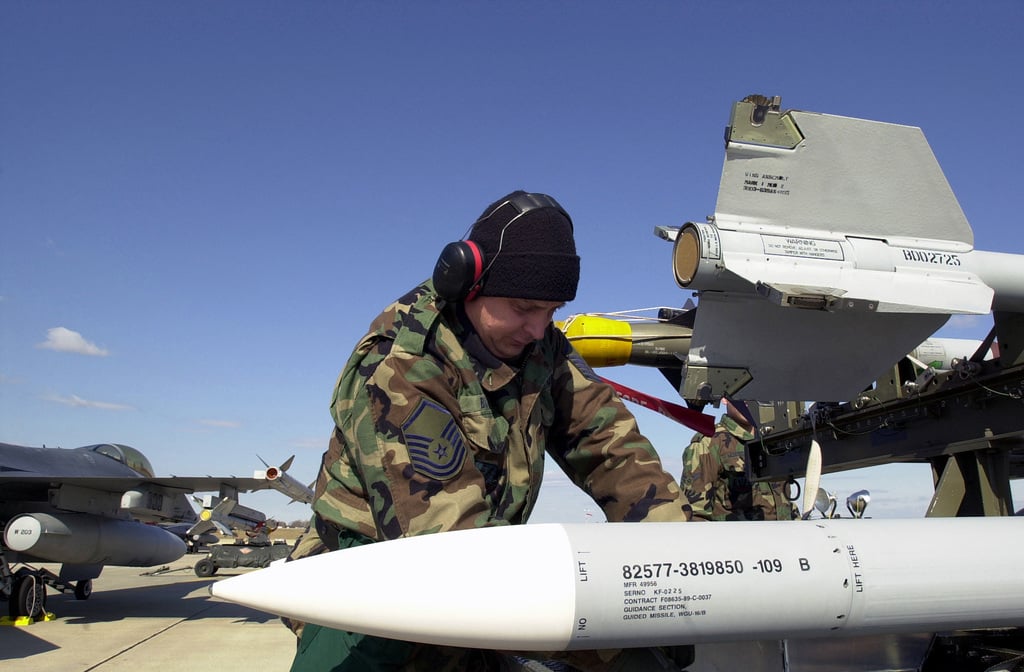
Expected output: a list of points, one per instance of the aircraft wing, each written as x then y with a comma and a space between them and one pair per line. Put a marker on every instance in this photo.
118, 475
64, 494
88, 507
169, 484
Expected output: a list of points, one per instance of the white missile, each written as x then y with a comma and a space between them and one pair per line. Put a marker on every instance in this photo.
227, 515
939, 353
833, 240
284, 482
834, 272
560, 587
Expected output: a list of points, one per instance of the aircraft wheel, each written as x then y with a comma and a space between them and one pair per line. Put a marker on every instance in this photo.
83, 589
29, 597
205, 568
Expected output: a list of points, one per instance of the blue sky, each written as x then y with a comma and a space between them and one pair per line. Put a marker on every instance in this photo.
218, 197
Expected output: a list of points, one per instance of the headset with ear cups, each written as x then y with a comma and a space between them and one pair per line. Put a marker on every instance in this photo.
459, 271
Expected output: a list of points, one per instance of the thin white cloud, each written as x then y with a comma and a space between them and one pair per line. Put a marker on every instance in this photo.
51, 245
78, 402
230, 424
62, 339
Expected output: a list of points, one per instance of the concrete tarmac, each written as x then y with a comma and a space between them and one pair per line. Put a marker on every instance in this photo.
139, 619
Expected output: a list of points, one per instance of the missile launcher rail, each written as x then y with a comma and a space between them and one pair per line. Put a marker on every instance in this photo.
967, 423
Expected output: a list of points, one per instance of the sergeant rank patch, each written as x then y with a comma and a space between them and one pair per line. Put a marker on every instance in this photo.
436, 447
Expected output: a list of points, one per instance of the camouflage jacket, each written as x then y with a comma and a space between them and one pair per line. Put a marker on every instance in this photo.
715, 482
428, 438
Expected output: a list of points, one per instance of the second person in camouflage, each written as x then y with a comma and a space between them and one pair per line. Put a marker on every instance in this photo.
714, 476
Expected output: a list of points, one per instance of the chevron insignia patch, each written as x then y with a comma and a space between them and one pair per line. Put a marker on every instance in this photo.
436, 447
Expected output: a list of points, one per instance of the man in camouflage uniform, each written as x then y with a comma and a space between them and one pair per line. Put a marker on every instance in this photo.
443, 415
714, 478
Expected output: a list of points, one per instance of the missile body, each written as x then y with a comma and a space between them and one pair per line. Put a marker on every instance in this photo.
562, 587
286, 484
604, 341
939, 353
228, 515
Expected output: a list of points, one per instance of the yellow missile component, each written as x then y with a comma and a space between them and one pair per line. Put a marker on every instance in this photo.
604, 341
599, 340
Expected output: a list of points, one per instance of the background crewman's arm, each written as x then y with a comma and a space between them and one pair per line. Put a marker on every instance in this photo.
700, 472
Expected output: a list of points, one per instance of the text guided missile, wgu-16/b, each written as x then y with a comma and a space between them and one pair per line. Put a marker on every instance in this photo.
584, 586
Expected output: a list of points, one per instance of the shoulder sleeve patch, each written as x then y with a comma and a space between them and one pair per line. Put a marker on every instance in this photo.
436, 447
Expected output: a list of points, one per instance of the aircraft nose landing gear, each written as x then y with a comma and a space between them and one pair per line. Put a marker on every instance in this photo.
28, 596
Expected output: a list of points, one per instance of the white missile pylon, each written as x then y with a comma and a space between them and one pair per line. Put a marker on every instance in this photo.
560, 587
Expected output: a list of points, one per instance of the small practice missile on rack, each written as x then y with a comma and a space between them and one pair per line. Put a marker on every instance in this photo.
284, 482
582, 586
605, 341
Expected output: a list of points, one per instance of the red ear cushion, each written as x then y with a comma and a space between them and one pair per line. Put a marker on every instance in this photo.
478, 269
478, 260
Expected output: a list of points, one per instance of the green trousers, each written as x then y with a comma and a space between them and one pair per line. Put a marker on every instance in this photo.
325, 649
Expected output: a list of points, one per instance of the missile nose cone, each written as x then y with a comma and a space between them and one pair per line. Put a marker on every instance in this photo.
415, 588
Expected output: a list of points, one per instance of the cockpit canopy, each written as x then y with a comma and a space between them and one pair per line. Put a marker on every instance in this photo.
126, 455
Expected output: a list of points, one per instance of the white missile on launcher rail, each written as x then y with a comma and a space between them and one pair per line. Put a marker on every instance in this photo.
283, 482
568, 587
940, 353
833, 240
834, 272
227, 515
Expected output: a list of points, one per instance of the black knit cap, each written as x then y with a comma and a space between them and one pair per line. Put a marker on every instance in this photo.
528, 246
